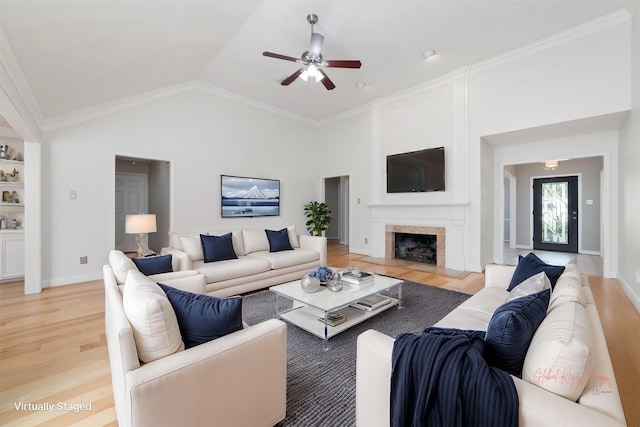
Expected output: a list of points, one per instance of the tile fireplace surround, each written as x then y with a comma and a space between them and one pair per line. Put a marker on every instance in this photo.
439, 232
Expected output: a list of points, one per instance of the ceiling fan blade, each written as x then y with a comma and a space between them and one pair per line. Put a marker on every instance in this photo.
326, 81
278, 56
342, 63
316, 44
292, 77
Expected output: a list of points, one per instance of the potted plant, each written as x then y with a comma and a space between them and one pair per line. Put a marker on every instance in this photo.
319, 218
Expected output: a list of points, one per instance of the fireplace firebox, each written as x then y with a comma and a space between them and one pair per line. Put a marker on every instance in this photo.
417, 247
430, 252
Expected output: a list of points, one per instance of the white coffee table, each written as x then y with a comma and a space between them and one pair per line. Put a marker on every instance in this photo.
304, 309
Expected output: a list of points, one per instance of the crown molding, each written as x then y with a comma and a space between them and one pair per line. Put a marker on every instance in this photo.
557, 39
17, 90
103, 109
207, 87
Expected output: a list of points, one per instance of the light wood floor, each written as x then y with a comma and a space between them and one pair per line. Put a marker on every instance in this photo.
52, 344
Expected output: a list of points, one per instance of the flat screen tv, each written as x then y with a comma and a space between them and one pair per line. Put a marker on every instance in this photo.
249, 197
416, 172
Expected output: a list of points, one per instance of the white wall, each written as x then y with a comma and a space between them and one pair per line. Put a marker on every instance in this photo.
560, 83
203, 135
343, 148
629, 261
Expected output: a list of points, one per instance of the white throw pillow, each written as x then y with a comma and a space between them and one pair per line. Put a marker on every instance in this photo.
120, 264
192, 246
255, 240
153, 321
536, 283
559, 355
293, 236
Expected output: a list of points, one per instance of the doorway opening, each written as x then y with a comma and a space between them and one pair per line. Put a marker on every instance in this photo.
142, 186
336, 196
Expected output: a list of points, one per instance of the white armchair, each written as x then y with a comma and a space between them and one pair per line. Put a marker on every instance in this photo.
235, 380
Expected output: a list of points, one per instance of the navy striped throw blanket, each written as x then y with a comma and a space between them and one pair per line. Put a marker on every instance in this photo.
440, 378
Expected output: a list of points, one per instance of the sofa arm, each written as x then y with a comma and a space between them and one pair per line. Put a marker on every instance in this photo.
215, 382
186, 280
315, 243
498, 276
373, 378
180, 260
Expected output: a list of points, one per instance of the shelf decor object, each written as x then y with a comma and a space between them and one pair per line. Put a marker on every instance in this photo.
141, 224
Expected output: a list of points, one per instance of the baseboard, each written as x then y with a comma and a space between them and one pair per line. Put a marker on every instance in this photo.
71, 280
628, 290
586, 252
359, 251
524, 247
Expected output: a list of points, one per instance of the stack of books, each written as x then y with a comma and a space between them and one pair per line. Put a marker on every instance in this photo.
363, 279
333, 319
371, 303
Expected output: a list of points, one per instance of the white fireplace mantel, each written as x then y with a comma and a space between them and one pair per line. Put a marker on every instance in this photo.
450, 216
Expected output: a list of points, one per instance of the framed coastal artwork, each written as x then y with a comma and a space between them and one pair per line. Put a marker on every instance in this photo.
249, 197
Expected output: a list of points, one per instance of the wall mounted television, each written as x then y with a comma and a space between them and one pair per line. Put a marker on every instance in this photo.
416, 171
249, 197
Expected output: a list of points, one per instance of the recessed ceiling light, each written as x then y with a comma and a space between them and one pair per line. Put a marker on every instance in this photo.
360, 85
428, 54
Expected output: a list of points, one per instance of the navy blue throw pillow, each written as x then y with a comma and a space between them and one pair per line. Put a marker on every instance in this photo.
278, 240
217, 248
154, 265
531, 265
203, 318
511, 328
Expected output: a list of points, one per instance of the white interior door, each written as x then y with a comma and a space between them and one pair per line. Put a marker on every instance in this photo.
131, 198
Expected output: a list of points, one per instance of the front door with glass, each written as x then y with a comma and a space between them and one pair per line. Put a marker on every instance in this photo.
555, 214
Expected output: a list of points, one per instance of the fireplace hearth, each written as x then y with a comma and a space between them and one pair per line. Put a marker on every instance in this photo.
416, 247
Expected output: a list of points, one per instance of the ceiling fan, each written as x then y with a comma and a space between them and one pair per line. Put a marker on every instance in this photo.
313, 61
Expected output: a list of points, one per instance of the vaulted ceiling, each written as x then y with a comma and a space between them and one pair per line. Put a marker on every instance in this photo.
78, 54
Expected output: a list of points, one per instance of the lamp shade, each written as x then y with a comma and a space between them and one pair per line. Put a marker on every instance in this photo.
140, 223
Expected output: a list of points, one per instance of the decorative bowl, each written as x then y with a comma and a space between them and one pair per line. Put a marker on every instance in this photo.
310, 284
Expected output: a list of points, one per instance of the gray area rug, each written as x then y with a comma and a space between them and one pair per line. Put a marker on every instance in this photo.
321, 385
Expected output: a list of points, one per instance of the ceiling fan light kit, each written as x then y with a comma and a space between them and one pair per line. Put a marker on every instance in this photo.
313, 61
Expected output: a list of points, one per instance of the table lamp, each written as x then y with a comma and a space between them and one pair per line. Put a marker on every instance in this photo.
141, 224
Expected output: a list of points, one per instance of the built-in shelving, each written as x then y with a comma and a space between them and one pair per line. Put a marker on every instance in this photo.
12, 207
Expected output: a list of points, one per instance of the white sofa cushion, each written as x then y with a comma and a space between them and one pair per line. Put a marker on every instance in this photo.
120, 264
153, 321
232, 269
559, 356
255, 240
192, 246
293, 236
284, 259
475, 313
568, 289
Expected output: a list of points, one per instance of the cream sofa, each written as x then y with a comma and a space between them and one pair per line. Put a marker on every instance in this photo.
570, 335
255, 268
236, 380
